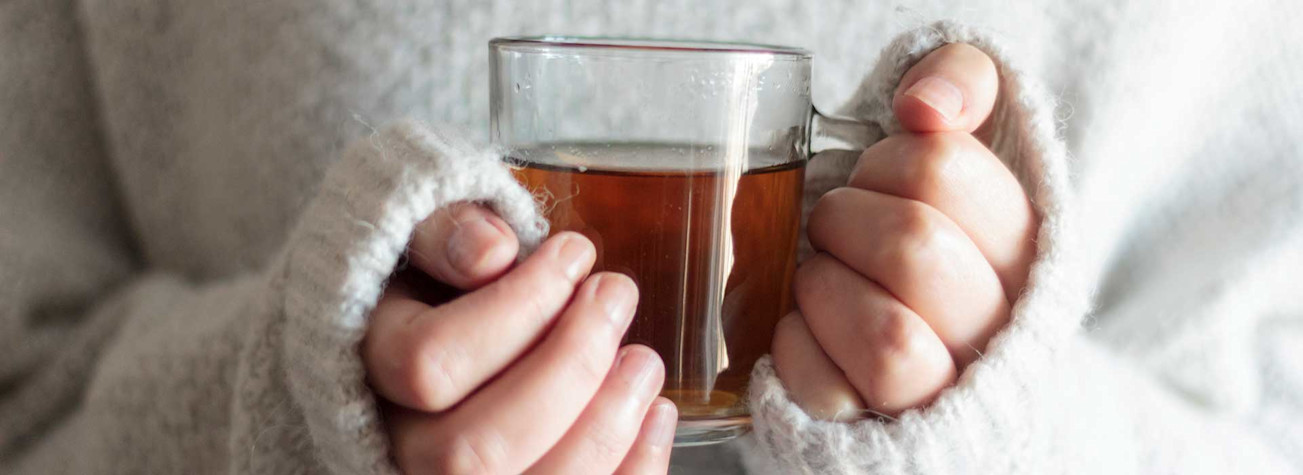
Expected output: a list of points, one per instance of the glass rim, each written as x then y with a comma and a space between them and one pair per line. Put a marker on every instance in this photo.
650, 45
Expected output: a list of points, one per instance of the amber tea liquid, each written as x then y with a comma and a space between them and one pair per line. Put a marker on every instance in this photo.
713, 262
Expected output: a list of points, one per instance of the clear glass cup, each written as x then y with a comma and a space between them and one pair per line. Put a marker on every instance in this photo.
684, 162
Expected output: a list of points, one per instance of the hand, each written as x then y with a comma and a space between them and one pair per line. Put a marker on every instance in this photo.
522, 372
920, 255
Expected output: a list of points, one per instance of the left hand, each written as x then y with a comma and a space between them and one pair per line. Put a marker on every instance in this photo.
920, 255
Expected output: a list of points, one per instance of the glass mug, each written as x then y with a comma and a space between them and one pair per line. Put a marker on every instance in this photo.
684, 163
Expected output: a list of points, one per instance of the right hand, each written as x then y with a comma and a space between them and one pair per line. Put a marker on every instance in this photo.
520, 372
920, 257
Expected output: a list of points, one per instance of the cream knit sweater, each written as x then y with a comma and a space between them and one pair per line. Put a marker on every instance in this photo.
189, 247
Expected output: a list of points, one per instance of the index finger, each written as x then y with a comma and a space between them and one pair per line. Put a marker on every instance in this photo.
430, 358
952, 89
515, 419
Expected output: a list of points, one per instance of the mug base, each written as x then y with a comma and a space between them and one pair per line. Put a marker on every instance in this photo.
691, 433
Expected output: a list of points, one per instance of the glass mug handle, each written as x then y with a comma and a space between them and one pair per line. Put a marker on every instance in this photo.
829, 132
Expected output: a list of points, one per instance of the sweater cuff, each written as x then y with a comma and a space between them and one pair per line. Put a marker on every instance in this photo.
341, 254
992, 399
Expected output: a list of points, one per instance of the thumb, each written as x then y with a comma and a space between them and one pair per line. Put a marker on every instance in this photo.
465, 245
951, 90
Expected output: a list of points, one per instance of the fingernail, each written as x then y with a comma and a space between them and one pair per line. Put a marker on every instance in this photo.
575, 255
940, 94
617, 296
469, 242
664, 420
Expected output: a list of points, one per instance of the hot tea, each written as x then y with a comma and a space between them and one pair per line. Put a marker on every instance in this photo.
712, 251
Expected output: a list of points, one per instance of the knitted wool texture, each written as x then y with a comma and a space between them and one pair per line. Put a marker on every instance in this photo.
190, 251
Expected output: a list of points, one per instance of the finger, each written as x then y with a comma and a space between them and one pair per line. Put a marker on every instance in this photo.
599, 440
464, 245
950, 89
812, 379
650, 454
921, 257
430, 358
958, 176
888, 353
512, 422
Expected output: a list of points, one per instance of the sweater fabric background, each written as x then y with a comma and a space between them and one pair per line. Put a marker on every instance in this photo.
200, 201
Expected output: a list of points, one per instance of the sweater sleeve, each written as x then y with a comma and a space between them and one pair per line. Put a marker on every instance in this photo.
258, 373
1045, 398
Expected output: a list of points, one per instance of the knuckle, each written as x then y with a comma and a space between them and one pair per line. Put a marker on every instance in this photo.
432, 372
472, 453
588, 357
899, 341
932, 168
538, 302
590, 365
922, 249
540, 294
524, 280
608, 442
550, 286
917, 232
